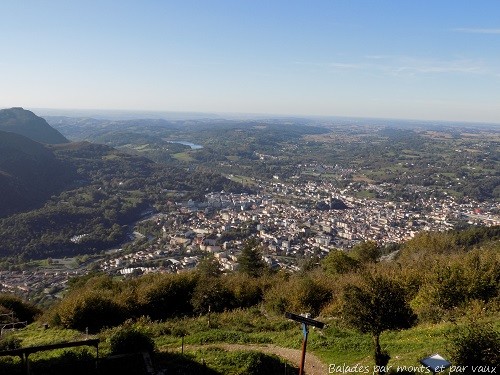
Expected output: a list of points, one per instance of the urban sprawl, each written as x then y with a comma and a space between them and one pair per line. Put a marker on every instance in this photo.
288, 230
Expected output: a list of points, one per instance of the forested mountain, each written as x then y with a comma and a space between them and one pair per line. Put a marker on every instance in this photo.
105, 191
20, 121
50, 193
29, 173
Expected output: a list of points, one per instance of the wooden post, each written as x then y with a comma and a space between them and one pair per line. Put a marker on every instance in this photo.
97, 356
27, 362
182, 345
305, 331
306, 321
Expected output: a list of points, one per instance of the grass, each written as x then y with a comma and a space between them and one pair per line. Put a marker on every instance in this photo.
143, 147
365, 194
334, 344
241, 179
216, 360
111, 157
183, 156
362, 178
35, 335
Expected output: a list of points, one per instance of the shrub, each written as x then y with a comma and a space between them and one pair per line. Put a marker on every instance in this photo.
89, 310
211, 293
367, 252
166, 296
454, 283
247, 290
476, 344
338, 262
24, 311
299, 294
9, 342
127, 339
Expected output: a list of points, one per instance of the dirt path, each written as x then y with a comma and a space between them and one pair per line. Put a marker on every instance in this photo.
313, 365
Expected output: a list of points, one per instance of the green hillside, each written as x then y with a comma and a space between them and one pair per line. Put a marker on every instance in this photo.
23, 122
29, 173
82, 188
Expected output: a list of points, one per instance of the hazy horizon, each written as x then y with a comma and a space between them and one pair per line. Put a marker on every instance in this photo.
126, 114
397, 60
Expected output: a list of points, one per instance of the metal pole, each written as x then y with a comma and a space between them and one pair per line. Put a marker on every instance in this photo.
305, 331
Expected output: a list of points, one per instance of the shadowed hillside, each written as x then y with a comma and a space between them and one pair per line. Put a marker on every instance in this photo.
20, 121
29, 173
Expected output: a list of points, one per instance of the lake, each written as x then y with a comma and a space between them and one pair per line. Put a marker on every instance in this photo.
192, 145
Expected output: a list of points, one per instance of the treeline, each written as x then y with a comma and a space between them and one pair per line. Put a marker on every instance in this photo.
102, 302
436, 281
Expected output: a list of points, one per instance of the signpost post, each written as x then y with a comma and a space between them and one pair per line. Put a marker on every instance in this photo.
306, 322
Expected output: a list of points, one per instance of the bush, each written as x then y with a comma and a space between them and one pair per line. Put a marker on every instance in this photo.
9, 342
89, 310
24, 311
126, 340
247, 290
455, 283
299, 294
475, 345
337, 262
211, 293
166, 296
367, 252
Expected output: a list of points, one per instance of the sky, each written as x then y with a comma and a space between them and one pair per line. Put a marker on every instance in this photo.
412, 59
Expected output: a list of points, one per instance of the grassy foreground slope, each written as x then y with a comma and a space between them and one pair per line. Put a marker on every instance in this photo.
252, 328
451, 282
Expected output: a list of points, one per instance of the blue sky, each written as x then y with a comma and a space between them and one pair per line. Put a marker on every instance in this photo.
418, 59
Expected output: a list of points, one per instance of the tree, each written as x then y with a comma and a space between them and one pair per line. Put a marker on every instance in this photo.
376, 305
250, 260
127, 339
367, 252
209, 266
337, 262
